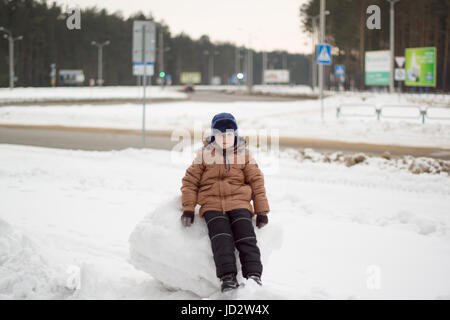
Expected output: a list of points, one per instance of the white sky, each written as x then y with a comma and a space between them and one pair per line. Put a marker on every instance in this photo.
262, 24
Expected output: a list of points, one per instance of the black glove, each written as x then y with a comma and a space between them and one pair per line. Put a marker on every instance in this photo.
187, 218
261, 219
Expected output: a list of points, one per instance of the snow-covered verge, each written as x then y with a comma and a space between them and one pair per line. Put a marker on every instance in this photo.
291, 119
304, 90
368, 230
32, 94
416, 165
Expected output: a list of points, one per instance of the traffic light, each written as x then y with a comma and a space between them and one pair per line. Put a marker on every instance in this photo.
162, 74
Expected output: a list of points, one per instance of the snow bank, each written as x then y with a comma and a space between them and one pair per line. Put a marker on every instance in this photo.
181, 258
416, 165
33, 94
24, 272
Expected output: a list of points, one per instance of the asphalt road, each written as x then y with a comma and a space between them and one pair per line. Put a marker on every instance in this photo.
217, 96
199, 95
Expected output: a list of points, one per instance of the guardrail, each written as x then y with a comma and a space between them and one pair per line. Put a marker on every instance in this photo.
382, 111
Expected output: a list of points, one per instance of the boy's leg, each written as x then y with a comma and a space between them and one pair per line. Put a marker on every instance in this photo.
222, 243
245, 241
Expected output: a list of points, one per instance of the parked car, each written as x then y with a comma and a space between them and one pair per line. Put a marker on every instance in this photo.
189, 88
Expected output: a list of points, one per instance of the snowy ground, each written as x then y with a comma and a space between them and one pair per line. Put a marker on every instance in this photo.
31, 94
291, 119
371, 230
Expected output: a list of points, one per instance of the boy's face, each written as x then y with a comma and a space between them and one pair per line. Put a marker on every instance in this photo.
225, 140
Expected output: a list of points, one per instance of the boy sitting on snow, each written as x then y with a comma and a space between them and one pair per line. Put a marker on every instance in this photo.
223, 179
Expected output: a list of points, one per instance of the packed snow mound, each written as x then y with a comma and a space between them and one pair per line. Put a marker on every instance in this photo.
24, 272
180, 257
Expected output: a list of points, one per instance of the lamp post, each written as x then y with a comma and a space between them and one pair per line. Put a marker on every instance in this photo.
100, 60
11, 40
392, 44
211, 53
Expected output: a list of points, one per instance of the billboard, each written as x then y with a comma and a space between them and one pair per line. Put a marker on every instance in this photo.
420, 67
377, 68
71, 76
276, 76
191, 77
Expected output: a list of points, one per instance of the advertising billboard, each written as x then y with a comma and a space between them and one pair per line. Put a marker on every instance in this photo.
276, 76
191, 77
420, 67
377, 68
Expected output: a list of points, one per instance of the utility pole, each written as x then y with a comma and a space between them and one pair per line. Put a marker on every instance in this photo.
321, 40
211, 68
144, 82
249, 65
11, 40
249, 70
100, 60
392, 44
264, 65
161, 55
237, 60
211, 53
313, 55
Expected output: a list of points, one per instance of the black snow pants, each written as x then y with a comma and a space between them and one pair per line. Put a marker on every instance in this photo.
228, 231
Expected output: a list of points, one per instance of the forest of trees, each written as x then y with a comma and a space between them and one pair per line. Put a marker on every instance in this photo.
47, 40
418, 23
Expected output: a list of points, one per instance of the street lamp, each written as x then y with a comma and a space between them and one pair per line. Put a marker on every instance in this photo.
11, 40
100, 59
392, 44
211, 53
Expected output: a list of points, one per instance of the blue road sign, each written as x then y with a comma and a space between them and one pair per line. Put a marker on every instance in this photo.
339, 70
323, 54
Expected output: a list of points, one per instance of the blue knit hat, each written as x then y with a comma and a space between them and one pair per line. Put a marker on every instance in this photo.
223, 122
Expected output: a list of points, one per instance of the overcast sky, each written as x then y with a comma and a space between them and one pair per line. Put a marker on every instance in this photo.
262, 24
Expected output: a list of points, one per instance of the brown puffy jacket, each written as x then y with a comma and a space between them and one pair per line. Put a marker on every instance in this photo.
223, 183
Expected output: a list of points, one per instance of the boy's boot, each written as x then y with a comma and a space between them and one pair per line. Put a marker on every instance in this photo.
256, 278
229, 282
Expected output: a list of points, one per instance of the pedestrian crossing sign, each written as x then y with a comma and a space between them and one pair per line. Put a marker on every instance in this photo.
323, 54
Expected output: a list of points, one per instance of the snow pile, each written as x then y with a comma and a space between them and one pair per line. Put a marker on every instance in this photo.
416, 165
181, 258
24, 272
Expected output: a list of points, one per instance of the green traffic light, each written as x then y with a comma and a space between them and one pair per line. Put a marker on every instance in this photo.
162, 74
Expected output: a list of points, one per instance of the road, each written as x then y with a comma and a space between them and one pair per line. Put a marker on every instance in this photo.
200, 95
218, 96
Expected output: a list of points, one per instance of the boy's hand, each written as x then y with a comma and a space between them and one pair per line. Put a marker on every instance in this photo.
261, 219
187, 218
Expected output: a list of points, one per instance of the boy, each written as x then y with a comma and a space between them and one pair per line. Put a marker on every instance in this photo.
223, 179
